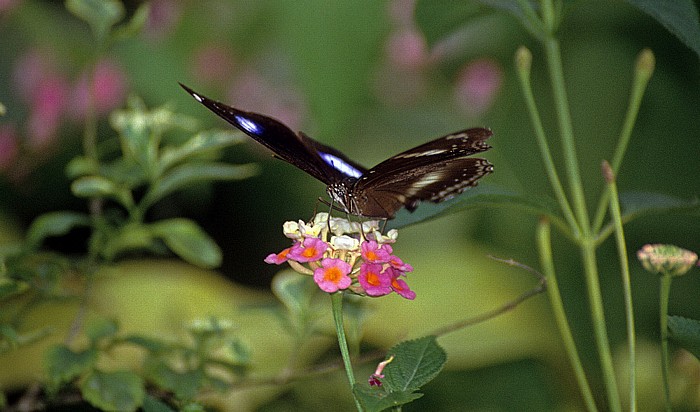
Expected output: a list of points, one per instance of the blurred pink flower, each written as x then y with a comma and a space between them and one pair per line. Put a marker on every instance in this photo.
9, 146
7, 5
46, 111
250, 91
477, 85
162, 17
109, 84
407, 48
401, 11
213, 64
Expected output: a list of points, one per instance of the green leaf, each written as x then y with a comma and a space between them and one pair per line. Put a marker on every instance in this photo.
637, 204
189, 241
82, 166
680, 17
101, 15
151, 404
294, 291
416, 362
99, 187
200, 144
10, 287
131, 237
377, 399
64, 365
113, 391
481, 197
686, 332
150, 344
54, 224
185, 385
134, 26
100, 329
191, 173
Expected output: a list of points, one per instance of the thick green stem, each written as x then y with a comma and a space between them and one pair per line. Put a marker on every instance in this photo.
545, 250
663, 324
337, 304
626, 283
599, 328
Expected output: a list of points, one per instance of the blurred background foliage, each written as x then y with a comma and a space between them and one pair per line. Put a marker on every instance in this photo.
361, 77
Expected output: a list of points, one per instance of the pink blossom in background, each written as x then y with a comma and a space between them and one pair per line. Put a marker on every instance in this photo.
29, 71
477, 85
250, 91
401, 11
163, 16
213, 64
7, 5
9, 146
407, 48
109, 84
47, 108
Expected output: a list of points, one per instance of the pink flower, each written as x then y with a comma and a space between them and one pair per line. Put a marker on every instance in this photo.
398, 264
400, 286
333, 275
373, 280
373, 253
311, 249
278, 258
213, 64
109, 86
477, 85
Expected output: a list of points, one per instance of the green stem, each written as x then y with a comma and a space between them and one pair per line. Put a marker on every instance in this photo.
337, 305
626, 283
663, 322
523, 62
566, 129
544, 243
643, 71
587, 242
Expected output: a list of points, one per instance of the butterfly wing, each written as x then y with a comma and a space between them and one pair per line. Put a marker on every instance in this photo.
435, 171
322, 162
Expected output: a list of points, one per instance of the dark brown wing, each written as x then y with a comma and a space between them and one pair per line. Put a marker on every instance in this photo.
435, 171
322, 162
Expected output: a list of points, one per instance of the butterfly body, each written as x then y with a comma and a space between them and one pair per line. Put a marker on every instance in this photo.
435, 171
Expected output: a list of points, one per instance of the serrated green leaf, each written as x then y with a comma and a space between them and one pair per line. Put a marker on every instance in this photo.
416, 362
151, 404
376, 399
100, 329
63, 365
200, 144
113, 391
101, 15
686, 332
99, 187
482, 197
54, 224
191, 173
189, 241
680, 17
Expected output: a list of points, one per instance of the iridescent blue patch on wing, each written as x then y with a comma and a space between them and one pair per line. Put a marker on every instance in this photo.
249, 125
340, 165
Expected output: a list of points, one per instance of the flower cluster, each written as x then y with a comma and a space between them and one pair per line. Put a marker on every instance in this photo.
666, 259
358, 257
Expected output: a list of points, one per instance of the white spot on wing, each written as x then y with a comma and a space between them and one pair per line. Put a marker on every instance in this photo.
197, 97
248, 125
340, 165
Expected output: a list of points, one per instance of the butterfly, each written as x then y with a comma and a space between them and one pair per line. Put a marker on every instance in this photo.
435, 171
